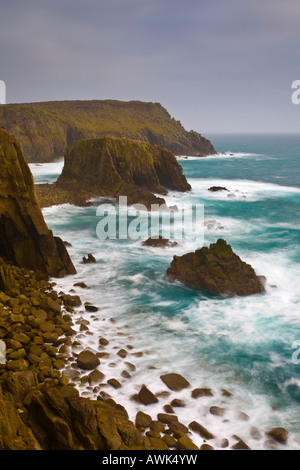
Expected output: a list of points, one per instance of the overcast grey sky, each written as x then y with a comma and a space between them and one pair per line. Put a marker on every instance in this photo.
216, 65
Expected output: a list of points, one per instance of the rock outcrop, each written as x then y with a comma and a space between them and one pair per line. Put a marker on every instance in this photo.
25, 238
217, 270
46, 129
112, 167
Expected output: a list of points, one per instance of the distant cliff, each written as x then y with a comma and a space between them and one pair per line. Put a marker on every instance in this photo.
46, 129
25, 239
113, 167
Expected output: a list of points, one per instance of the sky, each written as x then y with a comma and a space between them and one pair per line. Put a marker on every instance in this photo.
218, 66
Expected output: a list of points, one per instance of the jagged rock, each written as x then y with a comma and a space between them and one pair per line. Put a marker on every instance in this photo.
89, 259
201, 430
146, 396
160, 242
217, 270
25, 239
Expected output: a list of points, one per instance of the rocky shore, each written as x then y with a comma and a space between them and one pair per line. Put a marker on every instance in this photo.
46, 374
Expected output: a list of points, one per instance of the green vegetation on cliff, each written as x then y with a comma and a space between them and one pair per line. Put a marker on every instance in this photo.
46, 129
113, 167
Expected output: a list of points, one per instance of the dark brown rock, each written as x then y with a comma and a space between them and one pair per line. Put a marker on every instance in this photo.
160, 242
87, 360
201, 430
174, 381
146, 396
217, 270
278, 434
202, 392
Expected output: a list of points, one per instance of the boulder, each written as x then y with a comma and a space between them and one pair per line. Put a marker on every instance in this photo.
216, 269
146, 396
87, 360
278, 434
174, 382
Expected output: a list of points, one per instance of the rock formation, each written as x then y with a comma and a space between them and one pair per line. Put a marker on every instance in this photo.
46, 129
217, 270
25, 238
112, 167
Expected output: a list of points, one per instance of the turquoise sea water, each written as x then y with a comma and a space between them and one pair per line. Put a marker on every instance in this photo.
244, 345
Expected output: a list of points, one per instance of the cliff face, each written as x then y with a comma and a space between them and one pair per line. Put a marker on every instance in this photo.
25, 238
45, 130
112, 167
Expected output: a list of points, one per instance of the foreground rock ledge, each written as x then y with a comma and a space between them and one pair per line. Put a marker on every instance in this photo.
217, 270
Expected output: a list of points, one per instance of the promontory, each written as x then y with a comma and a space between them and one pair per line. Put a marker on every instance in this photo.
44, 130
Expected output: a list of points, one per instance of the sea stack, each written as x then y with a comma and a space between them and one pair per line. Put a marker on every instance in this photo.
216, 269
113, 167
25, 239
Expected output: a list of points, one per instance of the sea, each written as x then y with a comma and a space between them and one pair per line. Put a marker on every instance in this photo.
248, 346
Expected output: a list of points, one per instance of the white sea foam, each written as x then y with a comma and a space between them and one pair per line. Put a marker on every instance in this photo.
190, 341
46, 172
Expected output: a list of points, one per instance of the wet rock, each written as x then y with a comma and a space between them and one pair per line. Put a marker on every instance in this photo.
168, 409
146, 397
201, 392
278, 434
142, 420
87, 360
201, 430
174, 381
240, 445
217, 270
166, 418
160, 242
217, 188
177, 403
217, 411
185, 443
95, 377
81, 284
114, 383
90, 259
91, 308
206, 447
122, 353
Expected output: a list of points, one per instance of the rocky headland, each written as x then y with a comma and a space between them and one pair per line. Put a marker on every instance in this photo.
46, 129
112, 167
216, 269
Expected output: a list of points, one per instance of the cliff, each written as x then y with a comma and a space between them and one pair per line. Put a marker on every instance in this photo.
25, 238
112, 167
46, 129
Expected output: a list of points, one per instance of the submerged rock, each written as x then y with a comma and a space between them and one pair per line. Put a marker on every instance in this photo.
217, 188
217, 270
160, 242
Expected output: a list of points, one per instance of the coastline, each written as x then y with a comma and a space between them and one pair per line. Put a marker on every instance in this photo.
43, 345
